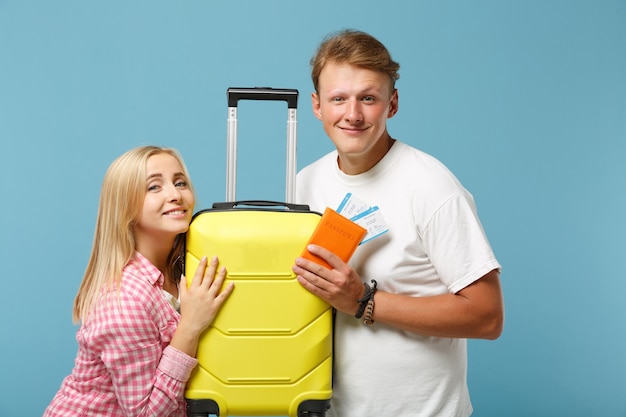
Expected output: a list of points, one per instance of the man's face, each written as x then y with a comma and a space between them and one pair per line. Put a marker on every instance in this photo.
354, 104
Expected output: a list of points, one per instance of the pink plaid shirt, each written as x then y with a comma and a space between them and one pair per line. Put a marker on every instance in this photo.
124, 366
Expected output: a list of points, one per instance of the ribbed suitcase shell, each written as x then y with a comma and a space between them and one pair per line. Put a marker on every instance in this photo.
270, 347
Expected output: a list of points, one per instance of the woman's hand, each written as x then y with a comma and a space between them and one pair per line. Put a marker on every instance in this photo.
199, 304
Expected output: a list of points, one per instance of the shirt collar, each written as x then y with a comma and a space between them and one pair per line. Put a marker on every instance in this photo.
152, 274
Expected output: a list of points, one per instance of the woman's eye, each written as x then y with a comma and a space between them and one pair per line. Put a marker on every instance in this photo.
181, 184
154, 187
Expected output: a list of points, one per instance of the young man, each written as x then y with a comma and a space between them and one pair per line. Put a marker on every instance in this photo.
427, 281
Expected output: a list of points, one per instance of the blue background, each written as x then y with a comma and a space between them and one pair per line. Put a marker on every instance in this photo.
524, 101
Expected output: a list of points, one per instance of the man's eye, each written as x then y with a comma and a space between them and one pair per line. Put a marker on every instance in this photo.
368, 98
337, 99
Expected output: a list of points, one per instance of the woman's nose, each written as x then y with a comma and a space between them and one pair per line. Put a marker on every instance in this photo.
173, 193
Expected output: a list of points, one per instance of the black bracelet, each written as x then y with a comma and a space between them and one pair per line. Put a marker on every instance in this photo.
369, 293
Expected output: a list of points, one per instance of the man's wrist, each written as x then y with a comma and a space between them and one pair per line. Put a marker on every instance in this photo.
365, 300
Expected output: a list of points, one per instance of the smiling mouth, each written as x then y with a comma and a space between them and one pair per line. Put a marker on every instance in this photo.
352, 128
175, 212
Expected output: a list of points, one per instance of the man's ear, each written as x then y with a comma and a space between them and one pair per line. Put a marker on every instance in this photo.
393, 104
315, 104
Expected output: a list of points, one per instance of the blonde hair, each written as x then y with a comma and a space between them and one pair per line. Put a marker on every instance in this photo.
356, 48
121, 201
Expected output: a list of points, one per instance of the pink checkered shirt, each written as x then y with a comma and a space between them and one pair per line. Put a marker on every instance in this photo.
124, 366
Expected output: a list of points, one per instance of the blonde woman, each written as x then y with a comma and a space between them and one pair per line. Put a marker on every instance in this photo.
140, 323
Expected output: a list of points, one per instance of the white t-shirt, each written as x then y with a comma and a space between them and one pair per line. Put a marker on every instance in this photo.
435, 244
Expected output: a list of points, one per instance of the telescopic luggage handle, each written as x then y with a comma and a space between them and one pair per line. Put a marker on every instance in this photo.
261, 93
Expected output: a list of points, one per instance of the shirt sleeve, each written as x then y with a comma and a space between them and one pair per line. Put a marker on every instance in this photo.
457, 244
147, 379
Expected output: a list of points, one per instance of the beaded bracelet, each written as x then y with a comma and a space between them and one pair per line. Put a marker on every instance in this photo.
369, 311
363, 302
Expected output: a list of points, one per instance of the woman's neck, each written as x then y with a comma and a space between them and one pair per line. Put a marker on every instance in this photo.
156, 251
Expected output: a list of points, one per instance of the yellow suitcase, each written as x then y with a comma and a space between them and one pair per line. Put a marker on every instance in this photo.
269, 350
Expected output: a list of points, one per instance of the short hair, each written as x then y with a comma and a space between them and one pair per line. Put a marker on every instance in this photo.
354, 47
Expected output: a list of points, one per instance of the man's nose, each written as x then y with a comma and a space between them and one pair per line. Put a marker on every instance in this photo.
353, 111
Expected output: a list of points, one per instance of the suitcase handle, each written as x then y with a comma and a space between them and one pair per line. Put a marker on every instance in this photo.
260, 203
263, 93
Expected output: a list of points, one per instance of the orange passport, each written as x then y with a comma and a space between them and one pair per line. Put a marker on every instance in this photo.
336, 233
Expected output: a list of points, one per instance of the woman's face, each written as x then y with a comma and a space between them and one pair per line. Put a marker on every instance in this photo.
169, 201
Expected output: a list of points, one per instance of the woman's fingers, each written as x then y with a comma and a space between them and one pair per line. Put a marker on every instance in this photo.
209, 272
208, 277
218, 280
197, 276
